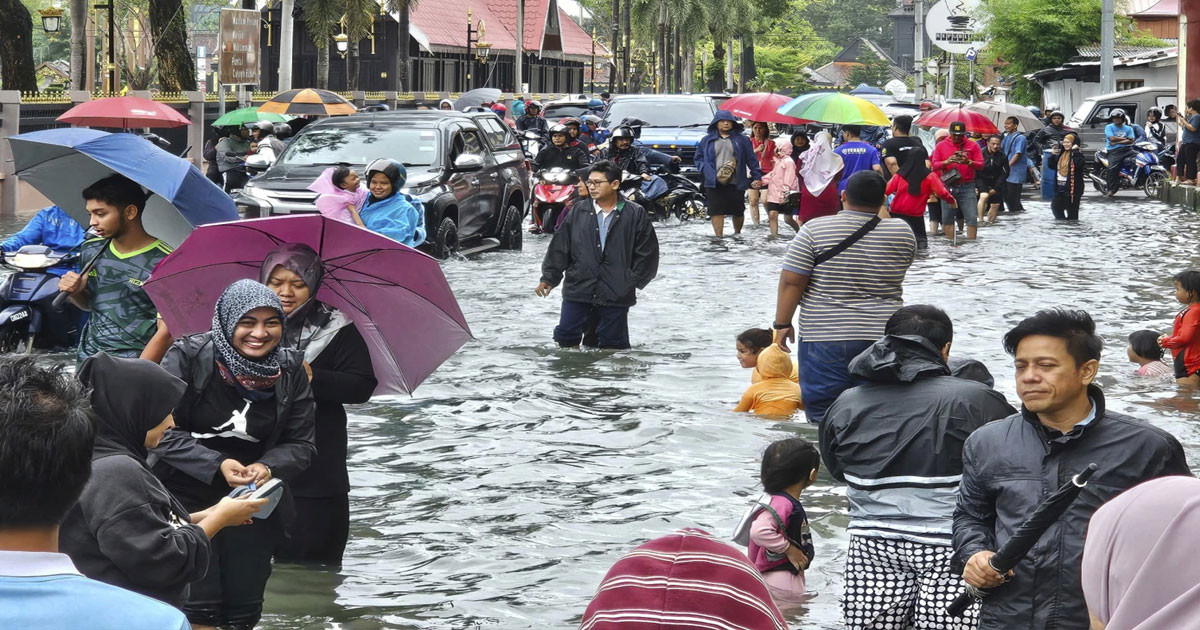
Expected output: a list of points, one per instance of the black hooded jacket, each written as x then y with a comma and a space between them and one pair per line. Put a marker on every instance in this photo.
897, 440
287, 451
631, 160
569, 157
1010, 465
608, 277
126, 529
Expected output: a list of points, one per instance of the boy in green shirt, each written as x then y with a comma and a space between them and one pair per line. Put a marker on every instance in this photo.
123, 322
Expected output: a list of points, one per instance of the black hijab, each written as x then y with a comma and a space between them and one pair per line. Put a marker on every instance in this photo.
914, 170
303, 261
130, 397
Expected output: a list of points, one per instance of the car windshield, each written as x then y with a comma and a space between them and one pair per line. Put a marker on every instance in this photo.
555, 112
664, 113
338, 144
1080, 115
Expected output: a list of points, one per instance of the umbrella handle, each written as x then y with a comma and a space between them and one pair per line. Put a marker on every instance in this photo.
964, 600
1084, 476
62, 296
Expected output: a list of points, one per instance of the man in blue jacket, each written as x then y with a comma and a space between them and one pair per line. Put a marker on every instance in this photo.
726, 160
51, 227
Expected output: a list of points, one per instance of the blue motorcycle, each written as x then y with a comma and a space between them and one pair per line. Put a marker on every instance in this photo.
1142, 169
27, 317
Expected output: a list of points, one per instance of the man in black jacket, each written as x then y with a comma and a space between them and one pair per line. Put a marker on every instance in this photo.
608, 249
624, 154
532, 120
1010, 465
560, 153
897, 444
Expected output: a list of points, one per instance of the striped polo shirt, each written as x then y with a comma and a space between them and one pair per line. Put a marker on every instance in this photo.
850, 296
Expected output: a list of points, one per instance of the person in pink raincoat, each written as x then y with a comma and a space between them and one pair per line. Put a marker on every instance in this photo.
781, 181
341, 194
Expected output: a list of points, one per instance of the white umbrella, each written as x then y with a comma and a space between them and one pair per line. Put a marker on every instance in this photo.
997, 112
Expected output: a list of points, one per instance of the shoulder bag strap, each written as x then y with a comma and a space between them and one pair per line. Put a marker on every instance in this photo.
849, 240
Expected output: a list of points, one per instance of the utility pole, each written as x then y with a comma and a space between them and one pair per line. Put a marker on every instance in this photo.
1107, 81
950, 79
614, 47
285, 44
729, 67
519, 57
919, 50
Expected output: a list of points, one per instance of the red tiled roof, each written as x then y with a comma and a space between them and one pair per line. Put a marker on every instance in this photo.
445, 25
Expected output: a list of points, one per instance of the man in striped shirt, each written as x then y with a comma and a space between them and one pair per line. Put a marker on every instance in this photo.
897, 443
844, 300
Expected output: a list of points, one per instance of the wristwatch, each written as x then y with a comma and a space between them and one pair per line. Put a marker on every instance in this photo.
778, 326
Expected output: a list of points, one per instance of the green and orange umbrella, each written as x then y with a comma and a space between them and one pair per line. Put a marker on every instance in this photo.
835, 108
308, 102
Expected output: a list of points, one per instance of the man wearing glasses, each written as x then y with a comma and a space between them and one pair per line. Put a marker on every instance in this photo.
611, 250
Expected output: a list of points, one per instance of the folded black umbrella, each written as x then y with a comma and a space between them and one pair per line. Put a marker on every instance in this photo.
1025, 537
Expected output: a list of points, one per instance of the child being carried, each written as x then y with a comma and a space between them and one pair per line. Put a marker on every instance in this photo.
341, 194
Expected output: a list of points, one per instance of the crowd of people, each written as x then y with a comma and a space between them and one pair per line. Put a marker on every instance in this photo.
138, 504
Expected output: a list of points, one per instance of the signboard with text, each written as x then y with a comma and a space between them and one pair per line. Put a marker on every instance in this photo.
238, 44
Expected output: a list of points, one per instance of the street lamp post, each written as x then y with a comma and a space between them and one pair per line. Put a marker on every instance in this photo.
51, 20
343, 44
112, 49
592, 83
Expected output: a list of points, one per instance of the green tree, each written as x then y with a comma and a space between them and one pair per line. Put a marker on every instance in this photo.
841, 22
873, 71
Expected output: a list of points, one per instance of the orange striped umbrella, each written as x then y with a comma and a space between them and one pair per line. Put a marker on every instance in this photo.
308, 102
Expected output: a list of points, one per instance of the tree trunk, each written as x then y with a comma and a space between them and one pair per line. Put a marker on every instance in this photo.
613, 44
353, 68
402, 59
717, 83
628, 53
323, 68
16, 47
689, 65
168, 31
749, 70
79, 10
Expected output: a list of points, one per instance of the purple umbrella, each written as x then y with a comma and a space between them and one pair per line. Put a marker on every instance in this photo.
396, 295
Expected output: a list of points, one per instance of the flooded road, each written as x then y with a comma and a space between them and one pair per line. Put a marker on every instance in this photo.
500, 494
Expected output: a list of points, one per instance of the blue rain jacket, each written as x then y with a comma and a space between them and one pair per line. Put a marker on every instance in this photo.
399, 217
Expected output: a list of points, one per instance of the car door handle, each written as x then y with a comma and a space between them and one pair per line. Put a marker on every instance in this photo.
474, 181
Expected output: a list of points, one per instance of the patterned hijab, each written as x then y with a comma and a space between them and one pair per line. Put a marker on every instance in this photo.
250, 376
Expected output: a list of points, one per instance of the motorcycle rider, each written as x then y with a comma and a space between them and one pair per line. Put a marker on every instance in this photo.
51, 227
575, 132
532, 119
1156, 129
560, 153
1050, 135
1119, 138
231, 156
623, 153
268, 144
599, 134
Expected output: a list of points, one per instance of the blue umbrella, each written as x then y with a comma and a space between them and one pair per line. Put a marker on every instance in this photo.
863, 88
60, 163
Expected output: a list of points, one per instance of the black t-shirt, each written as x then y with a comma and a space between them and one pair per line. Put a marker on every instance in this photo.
899, 147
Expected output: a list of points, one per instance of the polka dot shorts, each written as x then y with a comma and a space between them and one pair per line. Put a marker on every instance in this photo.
898, 585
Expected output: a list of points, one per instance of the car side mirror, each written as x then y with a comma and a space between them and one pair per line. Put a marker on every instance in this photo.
468, 162
258, 163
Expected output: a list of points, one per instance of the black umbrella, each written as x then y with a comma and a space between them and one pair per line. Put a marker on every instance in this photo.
476, 97
1025, 537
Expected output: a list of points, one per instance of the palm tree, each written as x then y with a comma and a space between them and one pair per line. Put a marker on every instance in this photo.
358, 21
78, 10
402, 8
322, 19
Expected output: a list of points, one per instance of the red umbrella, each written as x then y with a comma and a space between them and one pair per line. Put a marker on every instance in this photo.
942, 118
761, 107
125, 112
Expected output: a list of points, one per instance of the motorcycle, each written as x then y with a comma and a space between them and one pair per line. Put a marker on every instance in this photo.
552, 193
531, 143
676, 195
27, 318
1139, 170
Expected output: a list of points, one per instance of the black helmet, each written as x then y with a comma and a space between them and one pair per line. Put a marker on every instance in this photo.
283, 130
393, 170
267, 127
622, 132
559, 128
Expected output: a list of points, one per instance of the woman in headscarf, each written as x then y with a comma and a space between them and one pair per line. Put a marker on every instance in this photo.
388, 211
910, 189
339, 368
820, 171
247, 416
126, 529
1137, 571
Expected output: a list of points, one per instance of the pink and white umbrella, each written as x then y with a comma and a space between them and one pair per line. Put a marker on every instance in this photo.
396, 296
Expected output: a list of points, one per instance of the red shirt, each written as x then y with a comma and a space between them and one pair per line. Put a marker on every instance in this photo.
766, 159
1185, 337
905, 203
946, 148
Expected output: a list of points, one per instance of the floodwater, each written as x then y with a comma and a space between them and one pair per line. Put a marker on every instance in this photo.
500, 494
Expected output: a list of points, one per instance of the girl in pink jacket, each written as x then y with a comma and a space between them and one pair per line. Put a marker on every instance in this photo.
780, 181
781, 545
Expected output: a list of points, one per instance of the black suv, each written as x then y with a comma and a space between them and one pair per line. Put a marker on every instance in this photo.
467, 169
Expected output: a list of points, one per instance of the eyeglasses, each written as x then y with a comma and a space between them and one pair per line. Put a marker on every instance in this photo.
593, 182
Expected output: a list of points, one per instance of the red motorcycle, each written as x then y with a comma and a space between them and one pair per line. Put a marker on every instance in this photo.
552, 195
